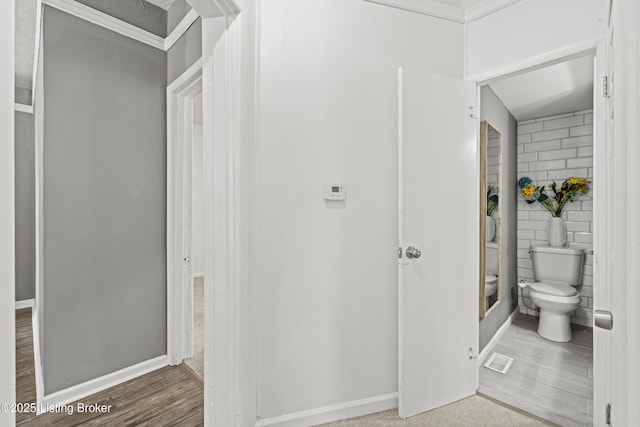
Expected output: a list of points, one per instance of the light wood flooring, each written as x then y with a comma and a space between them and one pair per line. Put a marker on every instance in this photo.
551, 380
171, 396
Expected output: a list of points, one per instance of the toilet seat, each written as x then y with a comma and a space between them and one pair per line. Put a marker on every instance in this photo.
490, 278
554, 289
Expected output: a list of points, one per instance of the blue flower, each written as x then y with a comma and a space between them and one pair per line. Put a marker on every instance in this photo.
524, 181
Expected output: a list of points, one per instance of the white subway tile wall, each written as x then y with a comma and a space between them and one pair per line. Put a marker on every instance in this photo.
555, 148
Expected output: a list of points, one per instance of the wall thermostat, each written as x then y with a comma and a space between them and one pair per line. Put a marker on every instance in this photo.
334, 192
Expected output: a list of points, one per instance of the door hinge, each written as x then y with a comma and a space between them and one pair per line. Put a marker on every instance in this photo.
605, 86
399, 252
472, 354
471, 112
607, 412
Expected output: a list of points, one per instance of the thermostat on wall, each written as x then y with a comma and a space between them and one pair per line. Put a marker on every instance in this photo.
334, 192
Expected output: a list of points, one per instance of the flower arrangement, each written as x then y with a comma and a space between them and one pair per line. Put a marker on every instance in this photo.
492, 200
570, 189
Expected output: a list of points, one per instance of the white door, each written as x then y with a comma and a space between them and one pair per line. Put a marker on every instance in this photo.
439, 216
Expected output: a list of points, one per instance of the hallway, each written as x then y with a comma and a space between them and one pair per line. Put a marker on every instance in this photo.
171, 396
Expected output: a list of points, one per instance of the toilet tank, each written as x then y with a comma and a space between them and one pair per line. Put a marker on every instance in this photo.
562, 265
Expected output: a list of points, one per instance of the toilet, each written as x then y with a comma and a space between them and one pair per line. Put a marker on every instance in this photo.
491, 270
556, 271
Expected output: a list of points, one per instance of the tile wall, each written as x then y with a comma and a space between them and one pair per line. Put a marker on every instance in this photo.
553, 149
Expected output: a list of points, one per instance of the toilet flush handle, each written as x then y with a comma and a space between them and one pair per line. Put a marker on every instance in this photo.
413, 252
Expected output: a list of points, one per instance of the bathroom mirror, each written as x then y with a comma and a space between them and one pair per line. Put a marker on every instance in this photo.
490, 220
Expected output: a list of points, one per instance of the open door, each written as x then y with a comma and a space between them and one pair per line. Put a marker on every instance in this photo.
439, 238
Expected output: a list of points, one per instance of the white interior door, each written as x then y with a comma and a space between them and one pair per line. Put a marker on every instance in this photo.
439, 216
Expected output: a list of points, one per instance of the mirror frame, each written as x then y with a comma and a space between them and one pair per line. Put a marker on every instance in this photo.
484, 139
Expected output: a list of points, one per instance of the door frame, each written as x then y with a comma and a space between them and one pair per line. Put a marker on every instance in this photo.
180, 95
602, 220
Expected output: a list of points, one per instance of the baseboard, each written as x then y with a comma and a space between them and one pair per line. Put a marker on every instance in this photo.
327, 414
496, 337
37, 358
25, 303
77, 392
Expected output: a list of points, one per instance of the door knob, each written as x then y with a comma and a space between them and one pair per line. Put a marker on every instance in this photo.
413, 252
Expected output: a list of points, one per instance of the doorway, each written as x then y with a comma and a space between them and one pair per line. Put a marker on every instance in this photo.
186, 241
555, 108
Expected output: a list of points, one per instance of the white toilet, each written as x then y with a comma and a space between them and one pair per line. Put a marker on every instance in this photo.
556, 271
491, 270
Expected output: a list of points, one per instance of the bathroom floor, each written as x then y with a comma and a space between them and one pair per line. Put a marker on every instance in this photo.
551, 380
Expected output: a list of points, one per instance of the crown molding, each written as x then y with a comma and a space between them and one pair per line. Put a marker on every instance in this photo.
426, 7
107, 21
450, 13
23, 108
180, 29
485, 8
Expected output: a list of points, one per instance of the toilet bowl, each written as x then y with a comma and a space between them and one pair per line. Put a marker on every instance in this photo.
556, 302
557, 271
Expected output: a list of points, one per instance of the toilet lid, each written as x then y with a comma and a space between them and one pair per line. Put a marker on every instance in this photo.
490, 278
557, 289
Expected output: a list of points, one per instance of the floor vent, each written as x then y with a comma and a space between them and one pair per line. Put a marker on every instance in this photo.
499, 363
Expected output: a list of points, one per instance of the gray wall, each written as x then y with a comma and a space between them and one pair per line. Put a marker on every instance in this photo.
23, 95
25, 206
104, 178
176, 12
185, 52
494, 111
136, 12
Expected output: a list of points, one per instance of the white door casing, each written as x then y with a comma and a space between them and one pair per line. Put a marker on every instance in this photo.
180, 96
438, 214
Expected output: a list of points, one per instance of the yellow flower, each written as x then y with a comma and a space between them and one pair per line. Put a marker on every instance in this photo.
528, 191
579, 181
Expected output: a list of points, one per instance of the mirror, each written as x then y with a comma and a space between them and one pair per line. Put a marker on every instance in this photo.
490, 198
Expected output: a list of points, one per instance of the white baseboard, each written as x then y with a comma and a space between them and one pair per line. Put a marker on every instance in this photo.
77, 392
341, 411
496, 337
25, 303
37, 358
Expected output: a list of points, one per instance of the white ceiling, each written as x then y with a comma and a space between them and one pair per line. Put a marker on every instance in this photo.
164, 4
557, 89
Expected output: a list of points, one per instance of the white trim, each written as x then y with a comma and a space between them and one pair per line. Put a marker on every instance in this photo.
185, 77
198, 274
337, 412
496, 337
23, 108
217, 8
180, 29
79, 391
36, 52
562, 54
179, 300
25, 303
107, 21
426, 7
37, 357
485, 8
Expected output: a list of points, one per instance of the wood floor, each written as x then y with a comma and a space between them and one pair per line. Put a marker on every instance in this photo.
551, 380
171, 396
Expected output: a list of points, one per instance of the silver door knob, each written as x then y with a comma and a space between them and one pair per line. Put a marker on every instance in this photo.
413, 252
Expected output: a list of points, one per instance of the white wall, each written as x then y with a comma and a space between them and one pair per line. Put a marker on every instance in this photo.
552, 149
326, 273
197, 202
7, 206
530, 32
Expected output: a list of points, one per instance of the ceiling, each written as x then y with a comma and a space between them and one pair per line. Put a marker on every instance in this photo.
164, 4
556, 89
